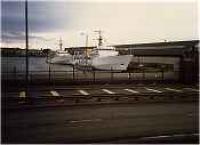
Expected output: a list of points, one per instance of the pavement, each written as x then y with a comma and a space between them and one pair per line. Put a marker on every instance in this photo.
125, 113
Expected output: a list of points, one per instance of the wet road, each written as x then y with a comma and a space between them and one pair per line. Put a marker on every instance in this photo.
102, 123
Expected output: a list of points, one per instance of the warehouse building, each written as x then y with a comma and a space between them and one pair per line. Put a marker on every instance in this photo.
182, 55
178, 60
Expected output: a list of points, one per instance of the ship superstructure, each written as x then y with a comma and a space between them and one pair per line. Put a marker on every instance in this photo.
103, 58
61, 56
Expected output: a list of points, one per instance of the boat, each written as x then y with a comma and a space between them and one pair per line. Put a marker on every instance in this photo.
61, 56
103, 58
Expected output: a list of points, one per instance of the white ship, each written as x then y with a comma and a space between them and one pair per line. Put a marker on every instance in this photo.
103, 58
61, 56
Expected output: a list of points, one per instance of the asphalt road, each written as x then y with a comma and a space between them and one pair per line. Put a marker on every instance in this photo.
100, 124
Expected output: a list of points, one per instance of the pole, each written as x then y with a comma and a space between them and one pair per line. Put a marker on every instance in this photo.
94, 76
111, 74
162, 71
49, 74
15, 74
86, 44
86, 49
129, 76
26, 28
73, 73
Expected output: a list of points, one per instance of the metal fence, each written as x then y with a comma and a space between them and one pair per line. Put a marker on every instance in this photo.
74, 75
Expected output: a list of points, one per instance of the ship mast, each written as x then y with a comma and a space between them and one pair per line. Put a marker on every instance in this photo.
100, 39
60, 44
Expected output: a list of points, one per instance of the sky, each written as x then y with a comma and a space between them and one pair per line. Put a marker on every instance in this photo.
126, 22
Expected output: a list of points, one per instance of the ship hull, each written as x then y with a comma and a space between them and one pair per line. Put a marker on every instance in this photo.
61, 60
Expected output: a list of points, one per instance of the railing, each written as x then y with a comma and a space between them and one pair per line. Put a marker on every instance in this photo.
74, 75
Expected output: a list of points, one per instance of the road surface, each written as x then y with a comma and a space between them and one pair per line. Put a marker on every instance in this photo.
101, 123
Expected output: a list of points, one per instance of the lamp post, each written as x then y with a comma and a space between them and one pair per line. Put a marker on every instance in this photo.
27, 45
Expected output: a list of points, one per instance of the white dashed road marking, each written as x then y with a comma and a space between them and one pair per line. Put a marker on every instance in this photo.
83, 92
132, 91
108, 91
153, 90
54, 93
174, 90
174, 135
195, 90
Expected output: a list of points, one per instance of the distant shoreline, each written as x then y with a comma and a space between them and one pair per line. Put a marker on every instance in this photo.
18, 52
22, 56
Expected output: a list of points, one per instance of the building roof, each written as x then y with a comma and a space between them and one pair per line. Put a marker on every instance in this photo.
173, 48
169, 44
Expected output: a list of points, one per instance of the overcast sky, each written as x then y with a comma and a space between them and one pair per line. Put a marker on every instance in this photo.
121, 22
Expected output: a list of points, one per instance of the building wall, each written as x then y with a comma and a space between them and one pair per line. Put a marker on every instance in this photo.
164, 60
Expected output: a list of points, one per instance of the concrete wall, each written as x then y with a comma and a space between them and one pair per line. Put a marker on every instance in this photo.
165, 60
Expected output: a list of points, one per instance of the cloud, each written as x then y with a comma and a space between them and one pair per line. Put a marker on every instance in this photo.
121, 22
43, 17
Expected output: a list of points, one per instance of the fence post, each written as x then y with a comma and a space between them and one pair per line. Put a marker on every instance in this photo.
162, 71
31, 78
94, 76
133, 76
143, 75
15, 74
111, 74
49, 73
73, 73
129, 76
66, 73
54, 78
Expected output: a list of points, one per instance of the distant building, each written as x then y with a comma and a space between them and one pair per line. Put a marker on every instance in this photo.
186, 53
180, 56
